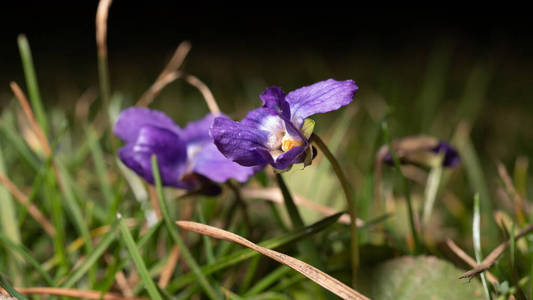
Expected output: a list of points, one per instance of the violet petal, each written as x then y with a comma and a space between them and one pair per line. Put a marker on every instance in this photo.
321, 97
289, 158
274, 98
212, 164
166, 145
197, 132
238, 142
131, 120
451, 157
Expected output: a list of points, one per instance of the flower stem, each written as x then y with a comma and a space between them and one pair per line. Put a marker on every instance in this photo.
296, 219
354, 243
305, 247
405, 188
241, 203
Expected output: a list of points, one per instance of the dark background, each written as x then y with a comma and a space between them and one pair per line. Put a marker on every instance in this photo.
238, 51
62, 33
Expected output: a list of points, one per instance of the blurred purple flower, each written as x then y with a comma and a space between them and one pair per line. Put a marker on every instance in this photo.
422, 150
186, 156
278, 132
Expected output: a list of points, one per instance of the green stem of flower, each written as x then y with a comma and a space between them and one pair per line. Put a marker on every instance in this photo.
305, 247
354, 243
405, 188
296, 219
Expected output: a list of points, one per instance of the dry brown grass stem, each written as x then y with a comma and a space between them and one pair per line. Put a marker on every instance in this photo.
73, 293
206, 92
123, 285
275, 195
169, 74
101, 26
32, 209
469, 260
321, 278
154, 202
495, 254
28, 112
83, 104
518, 202
168, 270
177, 59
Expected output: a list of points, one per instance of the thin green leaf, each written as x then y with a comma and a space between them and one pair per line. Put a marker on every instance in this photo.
405, 187
326, 281
31, 82
139, 263
430, 192
250, 273
28, 257
268, 280
186, 254
75, 210
476, 235
16, 141
91, 259
8, 222
208, 248
101, 170
244, 254
9, 289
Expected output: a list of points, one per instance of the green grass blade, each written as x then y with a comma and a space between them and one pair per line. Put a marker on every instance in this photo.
296, 219
9, 289
512, 244
31, 82
27, 256
208, 247
8, 222
305, 247
476, 235
268, 280
173, 230
101, 170
250, 273
430, 192
241, 255
405, 187
476, 176
15, 140
72, 205
75, 211
108, 238
52, 197
149, 284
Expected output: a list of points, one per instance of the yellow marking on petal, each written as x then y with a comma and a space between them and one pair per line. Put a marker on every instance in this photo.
288, 142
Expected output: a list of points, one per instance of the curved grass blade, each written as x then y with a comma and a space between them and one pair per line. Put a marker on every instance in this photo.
28, 257
323, 279
9, 289
245, 254
477, 244
405, 187
31, 81
186, 254
91, 259
268, 280
139, 263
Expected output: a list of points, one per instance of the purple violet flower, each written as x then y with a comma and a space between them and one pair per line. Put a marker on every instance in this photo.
422, 150
186, 156
278, 132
